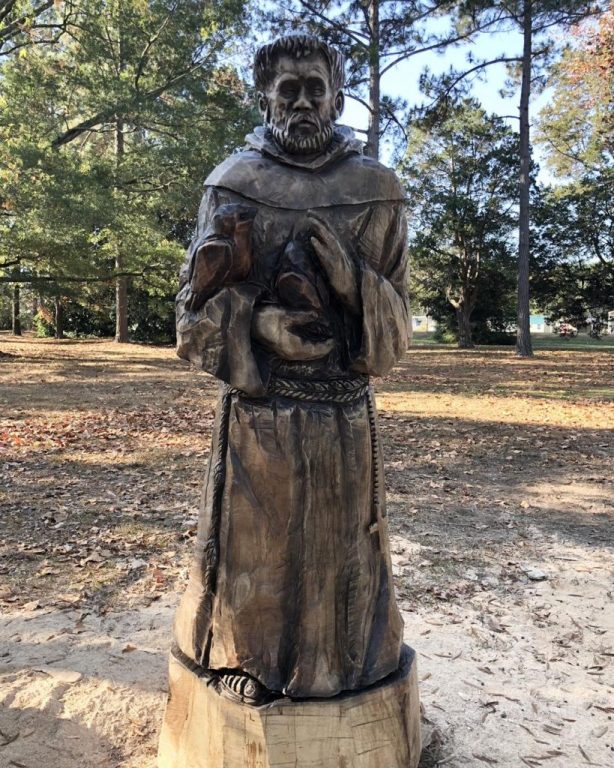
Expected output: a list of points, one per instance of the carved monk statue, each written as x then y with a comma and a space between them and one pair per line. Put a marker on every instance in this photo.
293, 295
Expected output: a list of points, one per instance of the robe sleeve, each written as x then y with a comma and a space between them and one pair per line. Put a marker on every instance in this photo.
217, 337
383, 293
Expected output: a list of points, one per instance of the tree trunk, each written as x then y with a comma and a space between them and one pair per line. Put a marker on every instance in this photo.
121, 282
59, 318
16, 315
372, 147
523, 337
121, 303
376, 727
463, 318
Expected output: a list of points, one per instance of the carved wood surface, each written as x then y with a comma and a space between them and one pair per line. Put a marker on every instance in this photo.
378, 727
292, 581
292, 295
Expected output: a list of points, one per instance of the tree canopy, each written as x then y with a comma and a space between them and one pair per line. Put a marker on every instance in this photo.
112, 113
459, 176
106, 137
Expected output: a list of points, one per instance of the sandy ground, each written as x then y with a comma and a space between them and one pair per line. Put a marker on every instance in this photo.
499, 476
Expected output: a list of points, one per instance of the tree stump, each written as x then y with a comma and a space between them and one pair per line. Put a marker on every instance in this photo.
378, 727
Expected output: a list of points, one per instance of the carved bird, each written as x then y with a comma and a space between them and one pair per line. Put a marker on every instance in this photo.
224, 256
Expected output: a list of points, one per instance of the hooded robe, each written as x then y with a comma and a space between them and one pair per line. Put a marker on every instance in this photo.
292, 581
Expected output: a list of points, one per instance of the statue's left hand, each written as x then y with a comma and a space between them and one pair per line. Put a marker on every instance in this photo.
336, 262
283, 331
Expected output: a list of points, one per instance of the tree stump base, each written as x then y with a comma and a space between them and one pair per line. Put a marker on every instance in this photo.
378, 727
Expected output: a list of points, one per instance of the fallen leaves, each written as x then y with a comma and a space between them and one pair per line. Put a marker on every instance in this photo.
498, 695
536, 574
8, 738
537, 760
501, 489
585, 756
128, 648
66, 676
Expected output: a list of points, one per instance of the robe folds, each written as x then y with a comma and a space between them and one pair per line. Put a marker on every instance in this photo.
291, 581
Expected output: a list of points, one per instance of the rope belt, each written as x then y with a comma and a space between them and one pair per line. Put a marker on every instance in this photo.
347, 390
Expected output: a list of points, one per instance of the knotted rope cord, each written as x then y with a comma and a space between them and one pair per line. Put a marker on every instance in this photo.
321, 390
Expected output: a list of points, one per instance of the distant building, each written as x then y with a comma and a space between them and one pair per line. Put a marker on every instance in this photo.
539, 324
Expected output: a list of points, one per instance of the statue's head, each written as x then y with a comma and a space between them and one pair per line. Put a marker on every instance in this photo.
299, 80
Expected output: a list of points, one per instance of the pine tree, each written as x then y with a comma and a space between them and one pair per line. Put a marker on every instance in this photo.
376, 36
27, 22
537, 20
106, 137
458, 173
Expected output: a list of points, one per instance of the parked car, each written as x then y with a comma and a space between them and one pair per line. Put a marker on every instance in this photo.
567, 330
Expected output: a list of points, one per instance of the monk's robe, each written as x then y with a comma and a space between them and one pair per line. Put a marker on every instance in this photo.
292, 580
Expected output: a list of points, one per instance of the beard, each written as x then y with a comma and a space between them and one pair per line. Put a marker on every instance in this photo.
296, 143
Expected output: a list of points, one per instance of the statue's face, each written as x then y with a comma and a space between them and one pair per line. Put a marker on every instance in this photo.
299, 105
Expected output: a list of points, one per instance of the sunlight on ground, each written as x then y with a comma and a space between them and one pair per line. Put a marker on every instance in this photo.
499, 410
499, 489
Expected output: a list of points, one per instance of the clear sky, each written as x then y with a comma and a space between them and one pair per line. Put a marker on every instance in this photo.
403, 80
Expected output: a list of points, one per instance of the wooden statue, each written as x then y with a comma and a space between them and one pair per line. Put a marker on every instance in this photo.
288, 641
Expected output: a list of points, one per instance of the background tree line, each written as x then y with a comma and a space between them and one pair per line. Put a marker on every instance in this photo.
112, 112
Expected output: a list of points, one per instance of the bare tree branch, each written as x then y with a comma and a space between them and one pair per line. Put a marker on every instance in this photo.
482, 65
358, 37
439, 44
120, 107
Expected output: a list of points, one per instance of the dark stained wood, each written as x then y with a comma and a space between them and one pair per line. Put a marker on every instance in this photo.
293, 294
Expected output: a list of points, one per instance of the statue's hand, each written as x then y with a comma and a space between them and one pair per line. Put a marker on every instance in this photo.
291, 334
211, 265
336, 262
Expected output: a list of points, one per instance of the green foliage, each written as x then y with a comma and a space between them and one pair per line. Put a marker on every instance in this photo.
24, 23
6, 306
576, 128
105, 139
459, 176
445, 333
150, 317
43, 323
493, 337
84, 319
537, 21
573, 250
549, 19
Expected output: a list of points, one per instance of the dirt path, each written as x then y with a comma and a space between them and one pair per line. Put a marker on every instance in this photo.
499, 476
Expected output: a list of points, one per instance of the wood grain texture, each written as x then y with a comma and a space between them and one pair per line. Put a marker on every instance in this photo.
290, 604
378, 727
292, 581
